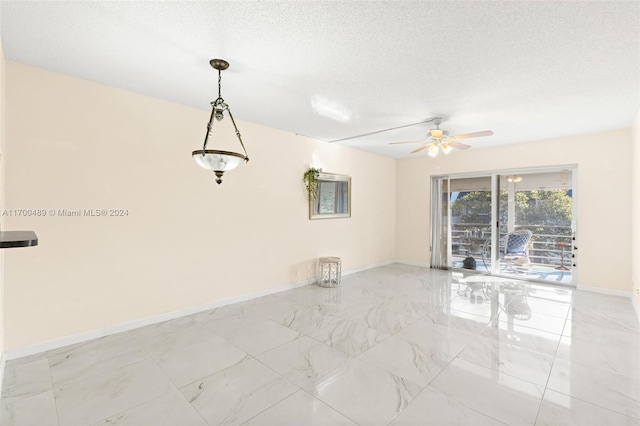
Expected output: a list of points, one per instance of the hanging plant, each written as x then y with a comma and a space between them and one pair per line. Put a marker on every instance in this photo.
310, 179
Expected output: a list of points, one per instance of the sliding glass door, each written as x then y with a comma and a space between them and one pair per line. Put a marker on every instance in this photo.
461, 221
519, 223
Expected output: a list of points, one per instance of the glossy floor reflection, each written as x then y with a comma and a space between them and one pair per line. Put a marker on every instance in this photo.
395, 345
549, 273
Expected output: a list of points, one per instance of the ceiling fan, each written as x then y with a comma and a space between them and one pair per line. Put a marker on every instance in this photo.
439, 140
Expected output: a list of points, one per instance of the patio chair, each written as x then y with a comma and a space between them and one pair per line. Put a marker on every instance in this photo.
513, 246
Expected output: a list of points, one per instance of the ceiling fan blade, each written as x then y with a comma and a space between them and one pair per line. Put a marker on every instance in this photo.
458, 145
420, 148
473, 135
397, 143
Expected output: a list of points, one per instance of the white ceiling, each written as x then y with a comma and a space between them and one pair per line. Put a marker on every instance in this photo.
527, 70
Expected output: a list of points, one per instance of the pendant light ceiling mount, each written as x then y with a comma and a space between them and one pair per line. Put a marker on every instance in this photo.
219, 64
215, 160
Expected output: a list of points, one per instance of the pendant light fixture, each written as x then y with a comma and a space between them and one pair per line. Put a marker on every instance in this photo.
211, 159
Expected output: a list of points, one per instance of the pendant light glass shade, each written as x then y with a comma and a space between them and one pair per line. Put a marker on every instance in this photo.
218, 161
215, 160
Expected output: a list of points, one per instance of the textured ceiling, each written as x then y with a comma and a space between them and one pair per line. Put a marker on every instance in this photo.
526, 70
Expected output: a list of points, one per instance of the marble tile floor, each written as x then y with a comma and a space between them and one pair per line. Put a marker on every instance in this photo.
395, 345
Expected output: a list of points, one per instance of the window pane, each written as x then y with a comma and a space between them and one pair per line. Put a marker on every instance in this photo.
327, 197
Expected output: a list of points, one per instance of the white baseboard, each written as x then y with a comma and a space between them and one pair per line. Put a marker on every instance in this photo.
602, 290
106, 331
366, 267
412, 263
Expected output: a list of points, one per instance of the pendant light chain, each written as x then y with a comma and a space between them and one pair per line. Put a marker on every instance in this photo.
220, 85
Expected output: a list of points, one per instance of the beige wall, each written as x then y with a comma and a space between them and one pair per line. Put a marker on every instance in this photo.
603, 196
635, 212
2, 203
73, 144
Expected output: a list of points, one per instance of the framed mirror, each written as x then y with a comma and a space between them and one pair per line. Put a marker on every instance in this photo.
333, 197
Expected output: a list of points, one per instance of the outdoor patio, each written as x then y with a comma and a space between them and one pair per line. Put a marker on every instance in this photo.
549, 258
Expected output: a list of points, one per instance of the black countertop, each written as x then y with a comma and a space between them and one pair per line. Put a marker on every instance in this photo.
10, 239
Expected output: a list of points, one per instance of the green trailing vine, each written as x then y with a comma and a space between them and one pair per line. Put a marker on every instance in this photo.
310, 179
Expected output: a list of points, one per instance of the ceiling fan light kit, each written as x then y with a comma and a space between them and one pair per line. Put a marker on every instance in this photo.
446, 147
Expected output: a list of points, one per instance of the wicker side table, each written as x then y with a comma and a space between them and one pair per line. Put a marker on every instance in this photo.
329, 271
